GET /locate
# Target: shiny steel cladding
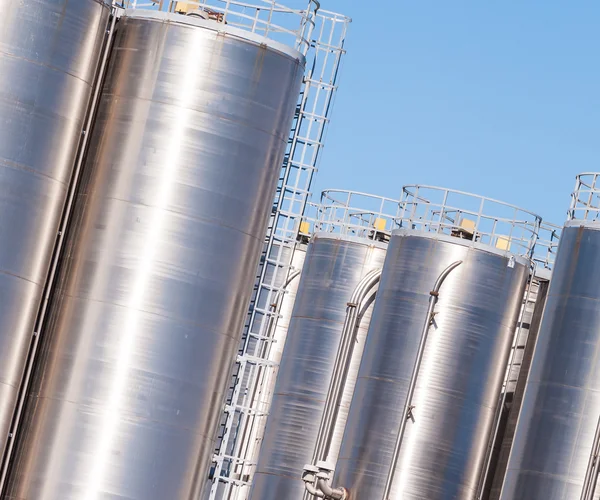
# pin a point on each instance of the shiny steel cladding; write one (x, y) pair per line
(554, 454)
(333, 268)
(444, 448)
(160, 262)
(49, 53)
(527, 332)
(561, 405)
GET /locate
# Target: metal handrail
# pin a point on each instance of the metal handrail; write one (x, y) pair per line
(353, 213)
(585, 199)
(268, 18)
(477, 218)
(546, 246)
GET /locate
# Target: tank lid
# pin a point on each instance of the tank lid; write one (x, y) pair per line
(475, 219)
(284, 28)
(477, 245)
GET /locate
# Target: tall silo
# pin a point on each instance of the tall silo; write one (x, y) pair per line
(50, 53)
(160, 261)
(528, 327)
(554, 438)
(349, 243)
(437, 348)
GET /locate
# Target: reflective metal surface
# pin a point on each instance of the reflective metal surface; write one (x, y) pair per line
(333, 267)
(445, 448)
(528, 326)
(49, 52)
(159, 264)
(557, 422)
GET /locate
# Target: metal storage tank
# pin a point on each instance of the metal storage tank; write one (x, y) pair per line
(160, 261)
(350, 242)
(532, 309)
(50, 52)
(469, 255)
(555, 434)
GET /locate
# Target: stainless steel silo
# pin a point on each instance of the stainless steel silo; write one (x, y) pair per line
(350, 242)
(554, 437)
(50, 52)
(528, 327)
(160, 261)
(437, 348)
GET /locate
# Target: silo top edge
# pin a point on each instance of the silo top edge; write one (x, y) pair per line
(353, 239)
(174, 18)
(584, 223)
(484, 247)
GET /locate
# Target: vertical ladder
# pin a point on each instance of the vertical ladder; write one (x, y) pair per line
(247, 402)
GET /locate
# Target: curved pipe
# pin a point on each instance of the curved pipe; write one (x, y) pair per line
(340, 367)
(433, 298)
(335, 494)
(338, 381)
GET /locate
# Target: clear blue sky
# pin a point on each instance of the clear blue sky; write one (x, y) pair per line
(497, 98)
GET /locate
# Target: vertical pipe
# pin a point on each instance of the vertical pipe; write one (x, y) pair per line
(340, 368)
(433, 298)
(591, 473)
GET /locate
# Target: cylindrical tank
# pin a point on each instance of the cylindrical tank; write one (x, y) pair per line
(49, 54)
(444, 448)
(561, 404)
(534, 303)
(350, 241)
(160, 262)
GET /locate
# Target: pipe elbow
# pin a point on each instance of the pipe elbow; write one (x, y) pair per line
(313, 490)
(334, 493)
(309, 480)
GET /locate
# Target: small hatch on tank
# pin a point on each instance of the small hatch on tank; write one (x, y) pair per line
(191, 9)
(465, 229)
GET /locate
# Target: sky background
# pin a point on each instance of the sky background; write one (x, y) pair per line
(497, 98)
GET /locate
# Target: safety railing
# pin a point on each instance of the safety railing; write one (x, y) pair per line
(471, 217)
(290, 24)
(546, 247)
(585, 199)
(351, 213)
(237, 450)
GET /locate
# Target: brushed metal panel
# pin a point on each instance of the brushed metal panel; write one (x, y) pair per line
(159, 265)
(49, 52)
(561, 405)
(464, 364)
(332, 269)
